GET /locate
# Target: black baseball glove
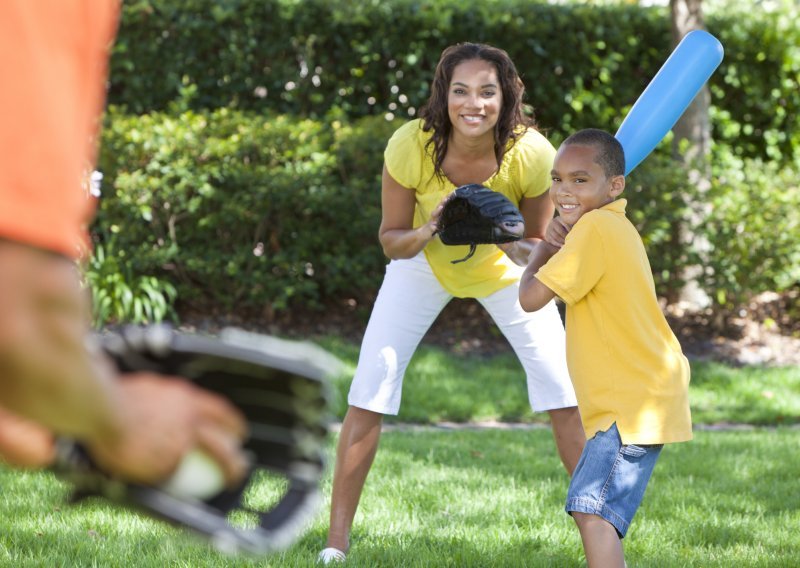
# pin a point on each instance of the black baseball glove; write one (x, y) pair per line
(280, 387)
(475, 215)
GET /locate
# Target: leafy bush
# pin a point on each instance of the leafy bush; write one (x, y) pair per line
(757, 92)
(658, 193)
(252, 214)
(753, 229)
(245, 213)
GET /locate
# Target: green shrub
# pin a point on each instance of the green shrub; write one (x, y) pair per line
(255, 215)
(121, 296)
(757, 91)
(245, 213)
(658, 192)
(753, 230)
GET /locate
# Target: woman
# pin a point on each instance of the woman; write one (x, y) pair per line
(471, 130)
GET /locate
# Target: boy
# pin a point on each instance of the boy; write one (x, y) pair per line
(630, 376)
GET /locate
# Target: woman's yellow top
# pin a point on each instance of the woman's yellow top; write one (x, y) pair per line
(524, 172)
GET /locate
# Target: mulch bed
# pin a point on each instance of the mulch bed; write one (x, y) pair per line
(766, 332)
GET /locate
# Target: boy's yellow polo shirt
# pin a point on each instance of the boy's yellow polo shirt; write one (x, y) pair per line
(625, 362)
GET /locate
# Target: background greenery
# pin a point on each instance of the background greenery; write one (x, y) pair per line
(583, 63)
(242, 156)
(243, 148)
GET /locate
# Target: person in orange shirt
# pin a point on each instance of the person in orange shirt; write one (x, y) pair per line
(54, 59)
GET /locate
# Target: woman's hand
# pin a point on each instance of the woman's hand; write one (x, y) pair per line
(537, 212)
(432, 226)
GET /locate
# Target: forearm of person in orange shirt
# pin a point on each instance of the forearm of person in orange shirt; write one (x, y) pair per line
(46, 371)
(51, 381)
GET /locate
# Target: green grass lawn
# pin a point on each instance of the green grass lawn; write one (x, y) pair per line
(466, 498)
(485, 498)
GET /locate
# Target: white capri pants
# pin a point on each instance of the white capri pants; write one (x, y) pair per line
(409, 301)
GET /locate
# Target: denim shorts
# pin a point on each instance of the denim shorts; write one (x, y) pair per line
(610, 479)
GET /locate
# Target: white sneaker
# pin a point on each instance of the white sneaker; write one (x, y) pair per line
(331, 555)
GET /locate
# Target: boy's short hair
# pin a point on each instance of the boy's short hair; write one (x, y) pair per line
(610, 154)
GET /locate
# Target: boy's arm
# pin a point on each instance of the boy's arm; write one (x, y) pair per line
(533, 295)
(537, 212)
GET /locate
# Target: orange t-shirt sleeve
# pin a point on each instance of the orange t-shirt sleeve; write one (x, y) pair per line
(53, 66)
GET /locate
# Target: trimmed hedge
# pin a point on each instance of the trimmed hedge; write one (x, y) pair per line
(245, 213)
(584, 65)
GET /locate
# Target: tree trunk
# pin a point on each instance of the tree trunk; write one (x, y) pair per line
(691, 147)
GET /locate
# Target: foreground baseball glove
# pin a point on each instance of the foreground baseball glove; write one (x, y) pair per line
(475, 215)
(280, 387)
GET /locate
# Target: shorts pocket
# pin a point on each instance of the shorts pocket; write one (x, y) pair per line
(635, 451)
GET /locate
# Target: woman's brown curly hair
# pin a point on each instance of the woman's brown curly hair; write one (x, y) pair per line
(434, 113)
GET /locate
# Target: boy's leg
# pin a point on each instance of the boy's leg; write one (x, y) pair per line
(601, 543)
(605, 492)
(539, 342)
(408, 302)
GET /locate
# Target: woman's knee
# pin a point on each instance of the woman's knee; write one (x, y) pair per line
(564, 416)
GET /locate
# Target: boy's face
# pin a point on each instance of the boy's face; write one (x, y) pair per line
(579, 183)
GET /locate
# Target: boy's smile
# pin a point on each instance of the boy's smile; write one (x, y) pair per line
(580, 184)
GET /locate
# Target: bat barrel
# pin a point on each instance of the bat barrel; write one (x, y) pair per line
(668, 95)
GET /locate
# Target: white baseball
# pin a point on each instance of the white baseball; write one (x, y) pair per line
(198, 476)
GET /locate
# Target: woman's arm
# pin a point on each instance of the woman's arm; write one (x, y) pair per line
(397, 237)
(537, 212)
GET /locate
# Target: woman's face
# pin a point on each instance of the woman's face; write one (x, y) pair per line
(474, 99)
